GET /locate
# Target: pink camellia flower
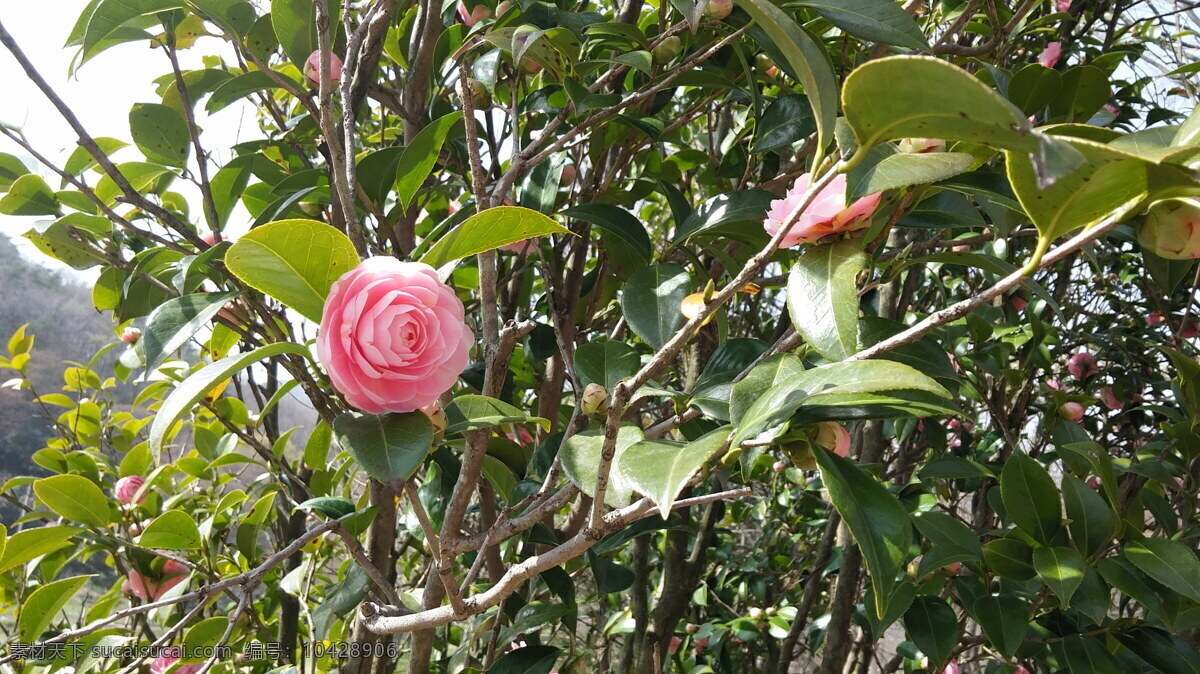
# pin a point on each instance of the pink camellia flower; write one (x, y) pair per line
(392, 336)
(519, 435)
(131, 335)
(150, 589)
(312, 69)
(1018, 303)
(127, 489)
(569, 174)
(827, 214)
(1093, 482)
(1062, 5)
(1110, 399)
(477, 14)
(1050, 55)
(1071, 411)
(952, 668)
(1020, 670)
(1190, 329)
(1172, 229)
(1082, 365)
(1112, 109)
(163, 663)
(437, 417)
(834, 437)
(779, 466)
(718, 9)
(1154, 318)
(922, 145)
(673, 647)
(210, 237)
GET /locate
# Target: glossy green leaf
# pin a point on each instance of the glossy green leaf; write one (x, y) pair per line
(876, 519)
(787, 121)
(1004, 619)
(75, 497)
(1124, 576)
(1061, 569)
(189, 392)
(110, 15)
(29, 195)
(390, 447)
(241, 86)
(420, 155)
(932, 625)
(526, 660)
(1083, 91)
(532, 616)
(1089, 654)
(946, 530)
(581, 462)
(29, 544)
(617, 222)
(766, 375)
(203, 635)
(1091, 520)
(726, 213)
(294, 261)
(1031, 497)
(651, 301)
(489, 230)
(176, 321)
(905, 169)
(235, 16)
(1033, 87)
(661, 469)
(295, 23)
(1163, 651)
(1009, 558)
(332, 507)
(1171, 563)
(160, 132)
(807, 58)
(777, 404)
(472, 412)
(822, 297)
(11, 168)
(605, 363)
(172, 530)
(43, 605)
(872, 20)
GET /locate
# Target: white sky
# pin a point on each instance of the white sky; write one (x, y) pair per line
(100, 93)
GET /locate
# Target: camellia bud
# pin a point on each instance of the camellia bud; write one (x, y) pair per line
(127, 489)
(667, 50)
(952, 668)
(1172, 229)
(1190, 329)
(1082, 365)
(131, 335)
(1018, 303)
(569, 174)
(756, 613)
(922, 145)
(834, 437)
(674, 645)
(1093, 482)
(1154, 318)
(779, 466)
(1071, 411)
(701, 644)
(437, 416)
(718, 9)
(475, 15)
(1111, 401)
(951, 569)
(595, 399)
(312, 68)
(691, 628)
(1021, 668)
(503, 7)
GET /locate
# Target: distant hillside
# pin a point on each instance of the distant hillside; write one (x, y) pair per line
(59, 312)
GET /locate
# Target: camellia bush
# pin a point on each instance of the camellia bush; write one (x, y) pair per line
(754, 336)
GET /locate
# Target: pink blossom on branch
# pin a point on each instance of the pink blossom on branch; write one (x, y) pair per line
(127, 488)
(312, 72)
(1050, 55)
(826, 214)
(1082, 365)
(474, 15)
(392, 336)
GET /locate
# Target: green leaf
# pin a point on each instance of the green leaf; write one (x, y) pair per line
(532, 616)
(1033, 87)
(618, 222)
(203, 635)
(69, 239)
(723, 213)
(764, 376)
(872, 20)
(32, 543)
(1169, 562)
(172, 530)
(1030, 497)
(1089, 654)
(420, 155)
(473, 412)
(110, 15)
(316, 450)
(944, 530)
(807, 59)
(330, 506)
(1091, 520)
(189, 392)
(1061, 569)
(1164, 652)
(777, 404)
(294, 261)
(924, 97)
(822, 297)
(526, 660)
(136, 461)
(295, 23)
(11, 168)
(74, 497)
(605, 363)
(175, 321)
(29, 195)
(489, 230)
(1009, 558)
(651, 301)
(1004, 619)
(43, 605)
(932, 625)
(581, 462)
(1083, 91)
(877, 521)
(235, 16)
(785, 122)
(160, 132)
(390, 447)
(661, 469)
(904, 169)
(237, 88)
